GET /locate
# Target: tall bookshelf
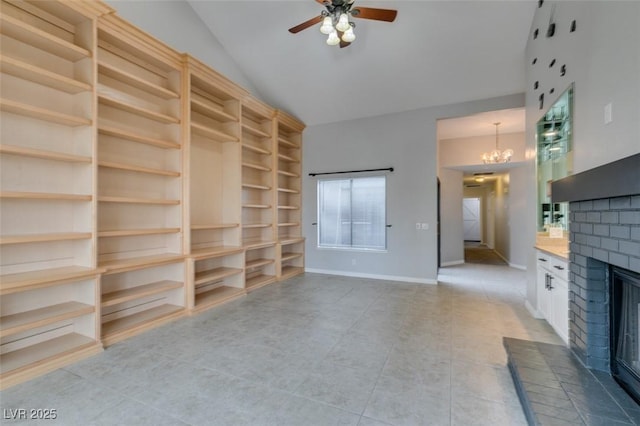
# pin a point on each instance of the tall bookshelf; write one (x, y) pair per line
(289, 196)
(258, 193)
(140, 197)
(213, 153)
(48, 276)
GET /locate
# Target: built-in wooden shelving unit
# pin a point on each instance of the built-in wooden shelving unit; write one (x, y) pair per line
(213, 153)
(48, 275)
(139, 163)
(137, 185)
(289, 189)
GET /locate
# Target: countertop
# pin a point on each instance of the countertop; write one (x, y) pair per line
(554, 250)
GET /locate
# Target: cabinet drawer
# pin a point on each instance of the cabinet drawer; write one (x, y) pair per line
(543, 259)
(559, 267)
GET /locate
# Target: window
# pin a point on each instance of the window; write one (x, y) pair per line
(352, 213)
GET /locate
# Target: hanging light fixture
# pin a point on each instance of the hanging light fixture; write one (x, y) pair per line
(497, 156)
(337, 26)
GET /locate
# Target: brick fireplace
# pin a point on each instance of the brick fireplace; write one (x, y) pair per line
(604, 205)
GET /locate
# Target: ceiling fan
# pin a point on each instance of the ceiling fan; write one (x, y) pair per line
(336, 23)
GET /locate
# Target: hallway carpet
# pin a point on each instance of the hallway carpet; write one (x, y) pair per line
(481, 254)
(313, 350)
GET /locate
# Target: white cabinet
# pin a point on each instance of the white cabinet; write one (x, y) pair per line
(553, 292)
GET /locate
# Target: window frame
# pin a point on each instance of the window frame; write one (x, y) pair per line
(352, 248)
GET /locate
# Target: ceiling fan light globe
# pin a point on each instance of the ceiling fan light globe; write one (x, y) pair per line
(348, 36)
(343, 23)
(327, 25)
(506, 155)
(333, 39)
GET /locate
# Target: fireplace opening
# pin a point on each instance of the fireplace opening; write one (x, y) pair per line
(625, 330)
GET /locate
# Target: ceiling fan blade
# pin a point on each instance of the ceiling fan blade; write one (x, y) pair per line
(305, 25)
(387, 15)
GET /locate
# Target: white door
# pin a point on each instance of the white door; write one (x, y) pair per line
(471, 219)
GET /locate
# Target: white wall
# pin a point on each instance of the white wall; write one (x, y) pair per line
(451, 229)
(408, 142)
(176, 24)
(518, 214)
(501, 217)
(602, 58)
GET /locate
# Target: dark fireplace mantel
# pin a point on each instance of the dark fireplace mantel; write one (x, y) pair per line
(617, 179)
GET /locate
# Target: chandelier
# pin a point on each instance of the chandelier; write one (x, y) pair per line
(497, 156)
(337, 21)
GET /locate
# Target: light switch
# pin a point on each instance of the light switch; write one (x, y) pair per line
(608, 113)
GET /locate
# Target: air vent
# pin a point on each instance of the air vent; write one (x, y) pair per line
(483, 174)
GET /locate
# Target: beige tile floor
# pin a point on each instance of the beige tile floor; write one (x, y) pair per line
(314, 350)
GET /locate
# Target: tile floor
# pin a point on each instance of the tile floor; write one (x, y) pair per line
(314, 350)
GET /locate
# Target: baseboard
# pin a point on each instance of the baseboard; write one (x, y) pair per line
(533, 311)
(372, 276)
(516, 266)
(452, 263)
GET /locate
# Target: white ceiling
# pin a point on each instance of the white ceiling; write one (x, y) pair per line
(511, 121)
(435, 53)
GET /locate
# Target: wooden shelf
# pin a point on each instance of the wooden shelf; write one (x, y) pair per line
(137, 232)
(289, 256)
(44, 238)
(254, 186)
(290, 271)
(257, 263)
(255, 131)
(257, 149)
(256, 225)
(212, 133)
(23, 321)
(105, 99)
(289, 190)
(42, 154)
(288, 173)
(288, 208)
(256, 206)
(217, 251)
(13, 283)
(42, 40)
(139, 169)
(44, 196)
(291, 240)
(135, 137)
(136, 200)
(256, 166)
(288, 158)
(286, 142)
(121, 296)
(135, 81)
(214, 226)
(217, 296)
(43, 114)
(41, 76)
(20, 360)
(121, 328)
(205, 107)
(258, 281)
(289, 224)
(216, 274)
(133, 263)
(257, 244)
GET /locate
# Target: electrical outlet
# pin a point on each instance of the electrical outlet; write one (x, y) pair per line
(608, 113)
(418, 225)
(424, 226)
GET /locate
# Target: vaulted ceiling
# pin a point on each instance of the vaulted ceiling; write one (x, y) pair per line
(435, 53)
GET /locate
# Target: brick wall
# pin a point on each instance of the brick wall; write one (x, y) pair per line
(602, 232)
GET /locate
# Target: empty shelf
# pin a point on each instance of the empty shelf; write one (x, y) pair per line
(11, 283)
(43, 238)
(215, 274)
(259, 281)
(107, 130)
(121, 296)
(43, 114)
(135, 81)
(23, 321)
(257, 263)
(211, 133)
(123, 105)
(41, 76)
(43, 154)
(44, 196)
(140, 320)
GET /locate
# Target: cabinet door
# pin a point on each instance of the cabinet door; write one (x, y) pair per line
(544, 295)
(560, 310)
